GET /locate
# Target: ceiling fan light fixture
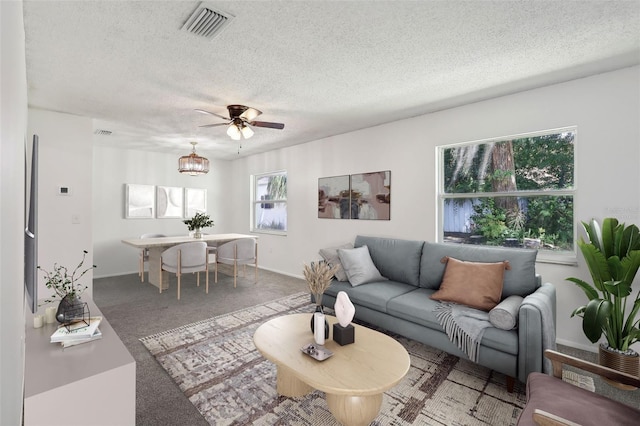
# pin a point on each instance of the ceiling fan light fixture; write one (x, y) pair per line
(234, 132)
(247, 132)
(193, 164)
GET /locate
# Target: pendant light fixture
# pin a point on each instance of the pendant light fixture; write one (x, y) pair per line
(193, 164)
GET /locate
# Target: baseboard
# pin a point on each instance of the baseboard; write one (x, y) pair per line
(588, 348)
(282, 273)
(119, 274)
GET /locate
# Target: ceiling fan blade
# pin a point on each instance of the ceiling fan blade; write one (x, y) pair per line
(250, 113)
(214, 125)
(267, 124)
(211, 113)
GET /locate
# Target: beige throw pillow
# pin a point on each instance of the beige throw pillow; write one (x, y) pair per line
(330, 255)
(475, 284)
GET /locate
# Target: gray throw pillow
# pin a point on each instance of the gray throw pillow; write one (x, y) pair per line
(358, 266)
(330, 255)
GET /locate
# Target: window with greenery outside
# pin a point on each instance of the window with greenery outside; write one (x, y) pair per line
(515, 191)
(270, 202)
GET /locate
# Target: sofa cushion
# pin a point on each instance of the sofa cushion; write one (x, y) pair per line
(358, 266)
(330, 255)
(519, 280)
(475, 284)
(373, 295)
(418, 307)
(396, 259)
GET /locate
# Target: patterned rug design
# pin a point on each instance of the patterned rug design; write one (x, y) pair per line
(216, 365)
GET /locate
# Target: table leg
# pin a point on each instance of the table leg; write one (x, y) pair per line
(289, 385)
(354, 410)
(154, 268)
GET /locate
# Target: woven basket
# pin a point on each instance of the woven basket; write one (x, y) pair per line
(629, 364)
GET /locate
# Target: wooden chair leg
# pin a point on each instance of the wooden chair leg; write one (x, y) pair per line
(198, 279)
(178, 287)
(160, 284)
(216, 272)
(207, 279)
(141, 268)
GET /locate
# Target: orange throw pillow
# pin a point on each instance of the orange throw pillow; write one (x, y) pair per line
(475, 284)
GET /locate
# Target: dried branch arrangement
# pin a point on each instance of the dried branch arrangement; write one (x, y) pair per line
(318, 276)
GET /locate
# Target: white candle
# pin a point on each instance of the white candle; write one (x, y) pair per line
(50, 314)
(38, 321)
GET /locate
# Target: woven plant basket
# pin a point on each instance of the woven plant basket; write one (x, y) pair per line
(629, 364)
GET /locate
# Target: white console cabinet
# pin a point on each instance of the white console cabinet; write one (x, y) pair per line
(92, 383)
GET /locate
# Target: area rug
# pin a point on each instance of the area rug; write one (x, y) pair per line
(216, 365)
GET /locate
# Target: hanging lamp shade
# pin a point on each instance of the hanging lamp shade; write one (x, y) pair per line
(193, 164)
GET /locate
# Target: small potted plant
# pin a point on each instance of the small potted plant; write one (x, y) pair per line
(197, 222)
(612, 255)
(65, 286)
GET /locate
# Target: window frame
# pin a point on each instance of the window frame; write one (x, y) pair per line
(564, 257)
(254, 201)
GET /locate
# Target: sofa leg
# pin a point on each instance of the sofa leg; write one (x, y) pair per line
(510, 384)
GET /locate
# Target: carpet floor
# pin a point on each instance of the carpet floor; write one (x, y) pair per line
(216, 365)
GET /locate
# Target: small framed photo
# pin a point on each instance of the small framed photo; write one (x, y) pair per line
(169, 202)
(139, 202)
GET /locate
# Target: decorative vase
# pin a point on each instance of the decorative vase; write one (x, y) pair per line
(66, 305)
(197, 233)
(624, 362)
(326, 323)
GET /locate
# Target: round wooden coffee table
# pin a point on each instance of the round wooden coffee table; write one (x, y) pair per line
(353, 379)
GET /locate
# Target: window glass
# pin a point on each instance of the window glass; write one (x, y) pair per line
(515, 192)
(269, 210)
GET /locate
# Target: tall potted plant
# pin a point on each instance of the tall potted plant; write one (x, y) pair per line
(612, 255)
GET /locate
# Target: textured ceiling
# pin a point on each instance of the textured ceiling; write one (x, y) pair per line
(321, 67)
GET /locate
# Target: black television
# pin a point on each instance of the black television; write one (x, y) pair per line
(31, 227)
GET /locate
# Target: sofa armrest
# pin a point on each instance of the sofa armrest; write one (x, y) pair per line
(536, 330)
(542, 418)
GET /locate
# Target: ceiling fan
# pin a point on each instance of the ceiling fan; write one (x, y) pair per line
(239, 121)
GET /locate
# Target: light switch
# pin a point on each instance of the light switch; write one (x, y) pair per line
(75, 219)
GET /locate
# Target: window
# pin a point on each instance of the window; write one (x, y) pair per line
(269, 216)
(516, 191)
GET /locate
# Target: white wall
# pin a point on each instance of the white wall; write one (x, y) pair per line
(112, 169)
(65, 160)
(13, 125)
(604, 107)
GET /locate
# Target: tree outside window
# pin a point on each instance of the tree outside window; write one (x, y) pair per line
(269, 212)
(516, 191)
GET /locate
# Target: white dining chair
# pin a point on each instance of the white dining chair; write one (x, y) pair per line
(238, 252)
(186, 257)
(144, 255)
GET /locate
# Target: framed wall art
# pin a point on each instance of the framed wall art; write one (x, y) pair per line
(333, 197)
(371, 196)
(169, 202)
(195, 201)
(139, 201)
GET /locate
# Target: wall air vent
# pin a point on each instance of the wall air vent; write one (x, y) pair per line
(206, 22)
(102, 132)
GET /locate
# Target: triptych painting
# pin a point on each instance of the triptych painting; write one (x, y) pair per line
(163, 202)
(365, 196)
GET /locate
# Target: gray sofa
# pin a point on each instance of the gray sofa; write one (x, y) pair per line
(402, 305)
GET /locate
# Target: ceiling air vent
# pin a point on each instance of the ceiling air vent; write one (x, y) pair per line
(206, 22)
(102, 132)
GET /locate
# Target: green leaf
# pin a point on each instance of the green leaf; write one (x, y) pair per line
(618, 288)
(595, 318)
(578, 311)
(596, 262)
(608, 236)
(586, 287)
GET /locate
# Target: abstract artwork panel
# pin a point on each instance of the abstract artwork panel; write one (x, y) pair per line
(139, 201)
(195, 201)
(371, 196)
(169, 202)
(333, 197)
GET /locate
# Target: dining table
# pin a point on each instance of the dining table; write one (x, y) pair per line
(157, 245)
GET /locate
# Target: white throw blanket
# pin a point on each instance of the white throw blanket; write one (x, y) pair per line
(465, 326)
